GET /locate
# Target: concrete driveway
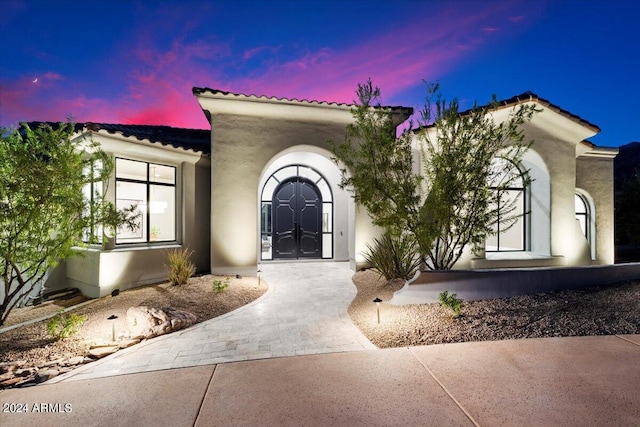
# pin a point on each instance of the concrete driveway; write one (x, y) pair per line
(576, 381)
(303, 312)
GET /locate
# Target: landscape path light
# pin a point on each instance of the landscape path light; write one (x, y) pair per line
(113, 326)
(378, 301)
(259, 271)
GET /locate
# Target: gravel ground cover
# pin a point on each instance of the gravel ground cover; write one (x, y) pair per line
(33, 347)
(603, 310)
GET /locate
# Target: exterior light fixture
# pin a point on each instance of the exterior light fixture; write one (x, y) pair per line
(259, 271)
(378, 301)
(113, 326)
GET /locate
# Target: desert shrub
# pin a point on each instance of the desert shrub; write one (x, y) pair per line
(393, 256)
(451, 302)
(63, 325)
(219, 285)
(180, 268)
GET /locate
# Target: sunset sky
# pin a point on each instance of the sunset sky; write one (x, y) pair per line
(125, 61)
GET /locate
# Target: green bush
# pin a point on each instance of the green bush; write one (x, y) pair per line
(219, 285)
(452, 302)
(394, 256)
(180, 267)
(64, 325)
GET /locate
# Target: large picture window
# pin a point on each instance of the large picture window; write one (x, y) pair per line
(152, 189)
(508, 187)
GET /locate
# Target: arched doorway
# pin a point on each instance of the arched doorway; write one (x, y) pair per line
(296, 215)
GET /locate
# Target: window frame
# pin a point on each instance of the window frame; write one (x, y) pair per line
(524, 194)
(148, 183)
(586, 214)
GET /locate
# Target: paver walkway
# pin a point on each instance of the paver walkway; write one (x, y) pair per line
(303, 312)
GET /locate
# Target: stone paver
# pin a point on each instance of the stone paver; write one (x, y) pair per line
(303, 312)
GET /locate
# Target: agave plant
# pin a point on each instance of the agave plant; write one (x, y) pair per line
(394, 256)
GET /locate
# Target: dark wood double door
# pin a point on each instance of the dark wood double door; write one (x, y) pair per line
(297, 220)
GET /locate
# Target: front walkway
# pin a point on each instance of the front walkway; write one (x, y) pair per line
(303, 312)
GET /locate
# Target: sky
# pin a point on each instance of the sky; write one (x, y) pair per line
(136, 62)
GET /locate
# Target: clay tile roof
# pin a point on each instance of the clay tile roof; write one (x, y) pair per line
(530, 96)
(189, 139)
(201, 90)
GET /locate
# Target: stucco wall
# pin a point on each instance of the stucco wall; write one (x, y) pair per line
(559, 157)
(594, 175)
(242, 148)
(553, 233)
(105, 268)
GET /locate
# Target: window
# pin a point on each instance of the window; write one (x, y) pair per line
(92, 193)
(151, 188)
(508, 187)
(582, 215)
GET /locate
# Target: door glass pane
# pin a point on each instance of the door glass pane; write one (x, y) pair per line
(327, 246)
(327, 220)
(324, 190)
(285, 173)
(309, 174)
(269, 188)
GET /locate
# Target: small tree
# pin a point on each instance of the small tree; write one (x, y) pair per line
(470, 162)
(43, 212)
(451, 205)
(378, 167)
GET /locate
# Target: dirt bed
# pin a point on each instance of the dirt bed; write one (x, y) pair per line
(33, 345)
(604, 310)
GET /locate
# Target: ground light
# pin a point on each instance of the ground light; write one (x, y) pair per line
(259, 271)
(113, 326)
(378, 301)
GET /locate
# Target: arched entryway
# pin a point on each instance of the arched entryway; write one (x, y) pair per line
(296, 215)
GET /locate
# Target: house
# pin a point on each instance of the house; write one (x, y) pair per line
(260, 186)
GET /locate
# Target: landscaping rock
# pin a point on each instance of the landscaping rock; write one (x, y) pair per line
(6, 376)
(100, 352)
(57, 361)
(76, 360)
(25, 372)
(11, 366)
(11, 382)
(128, 342)
(46, 374)
(148, 322)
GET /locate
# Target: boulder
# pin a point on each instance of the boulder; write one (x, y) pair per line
(128, 342)
(76, 360)
(148, 322)
(100, 352)
(46, 374)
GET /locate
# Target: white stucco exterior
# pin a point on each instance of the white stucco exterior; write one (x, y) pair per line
(219, 195)
(560, 164)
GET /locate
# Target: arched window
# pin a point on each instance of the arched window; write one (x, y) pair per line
(582, 215)
(509, 202)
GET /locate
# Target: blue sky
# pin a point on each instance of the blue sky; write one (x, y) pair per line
(136, 61)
